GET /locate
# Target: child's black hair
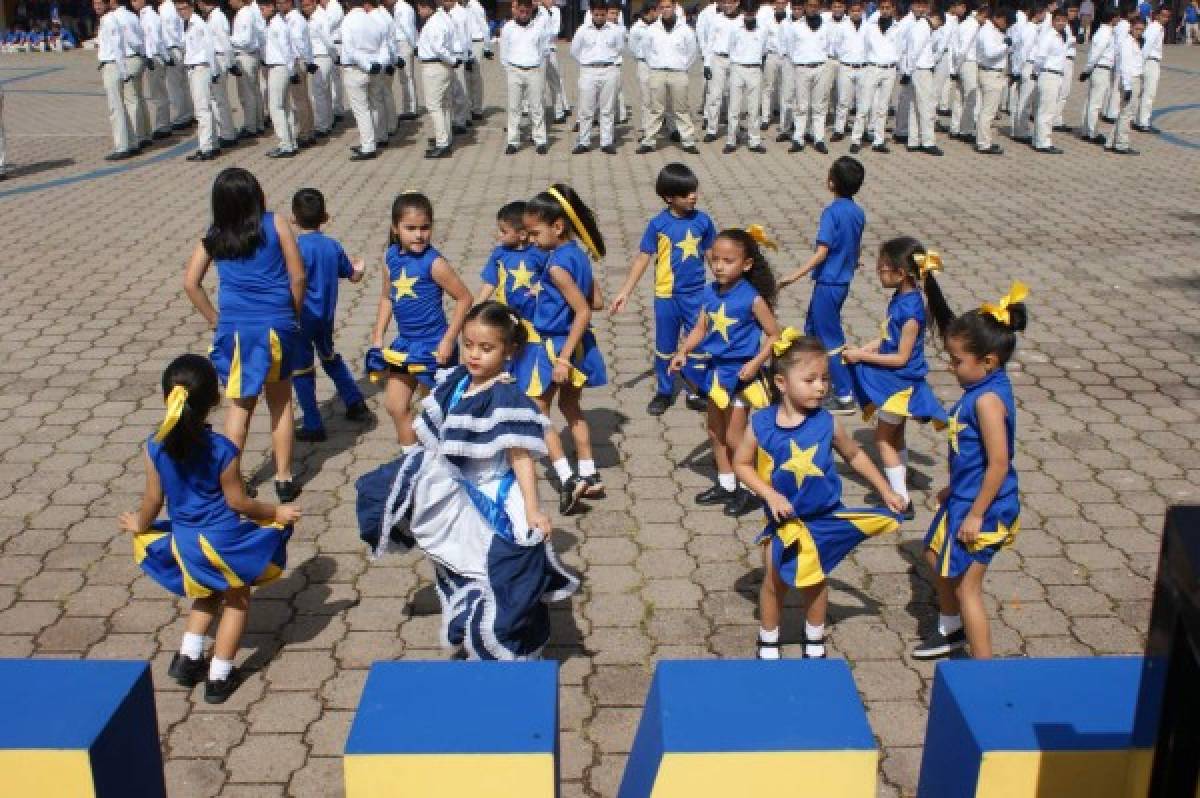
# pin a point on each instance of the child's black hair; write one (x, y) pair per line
(759, 275)
(188, 438)
(238, 206)
(675, 180)
(308, 208)
(501, 317)
(512, 214)
(408, 201)
(901, 253)
(982, 334)
(846, 175)
(548, 209)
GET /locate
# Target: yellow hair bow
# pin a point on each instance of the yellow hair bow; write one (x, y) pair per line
(576, 223)
(175, 402)
(759, 234)
(999, 311)
(787, 337)
(927, 262)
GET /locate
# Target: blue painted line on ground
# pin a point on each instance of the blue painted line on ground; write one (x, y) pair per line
(57, 92)
(1180, 70)
(1171, 138)
(32, 73)
(95, 174)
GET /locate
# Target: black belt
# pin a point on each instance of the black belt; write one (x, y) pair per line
(196, 66)
(1054, 72)
(885, 66)
(812, 64)
(525, 68)
(1101, 67)
(601, 65)
(477, 40)
(723, 55)
(852, 66)
(924, 69)
(667, 69)
(992, 69)
(431, 60)
(1152, 58)
(749, 66)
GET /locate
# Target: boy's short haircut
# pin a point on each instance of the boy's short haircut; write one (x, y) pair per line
(846, 175)
(1059, 12)
(308, 208)
(524, 2)
(427, 3)
(513, 214)
(676, 180)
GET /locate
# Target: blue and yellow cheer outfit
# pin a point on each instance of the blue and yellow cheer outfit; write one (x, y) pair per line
(798, 462)
(968, 463)
(733, 339)
(257, 336)
(206, 547)
(325, 262)
(514, 271)
(676, 246)
(840, 230)
(552, 319)
(420, 317)
(899, 391)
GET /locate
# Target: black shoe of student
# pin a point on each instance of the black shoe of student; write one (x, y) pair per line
(675, 137)
(690, 149)
(358, 412)
(187, 672)
(159, 135)
(286, 490)
(608, 149)
(898, 139)
(438, 152)
(913, 149)
(782, 137)
(593, 486)
(279, 152)
(1063, 129)
(364, 156)
(1023, 139)
(542, 149)
(933, 150)
(1126, 151)
(218, 691)
(1152, 130)
(758, 149)
(311, 435)
(854, 148)
(943, 112)
(881, 148)
(511, 149)
(821, 148)
(579, 149)
(321, 135)
(729, 149)
(696, 403)
(306, 142)
(797, 146)
(837, 136)
(144, 143)
(228, 143)
(468, 124)
(643, 149)
(120, 155)
(181, 126)
(1048, 150)
(763, 125)
(742, 502)
(569, 495)
(939, 127)
(660, 404)
(938, 645)
(710, 137)
(201, 155)
(995, 149)
(458, 130)
(476, 115)
(713, 496)
(406, 117)
(1112, 120)
(809, 138)
(381, 144)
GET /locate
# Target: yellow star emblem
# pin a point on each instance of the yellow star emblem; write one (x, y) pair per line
(404, 285)
(952, 430)
(721, 323)
(522, 276)
(801, 462)
(689, 246)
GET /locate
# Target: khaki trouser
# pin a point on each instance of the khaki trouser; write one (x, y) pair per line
(525, 89)
(135, 103)
(964, 99)
(556, 94)
(597, 91)
(177, 89)
(745, 93)
(669, 89)
(222, 110)
(922, 111)
(1021, 125)
(811, 100)
(336, 89)
(1098, 85)
(279, 103)
(320, 86)
(941, 81)
(1192, 33)
(880, 81)
(301, 104)
(357, 86)
(436, 78)
(383, 105)
(991, 88)
(1149, 89)
(200, 84)
(1064, 91)
(643, 81)
(773, 95)
(475, 78)
(460, 100)
(3, 142)
(1120, 136)
(904, 99)
(715, 92)
(1112, 98)
(1048, 87)
(248, 94)
(404, 79)
(118, 116)
(852, 91)
(155, 92)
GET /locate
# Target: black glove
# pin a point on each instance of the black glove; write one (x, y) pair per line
(469, 66)
(1033, 76)
(954, 77)
(905, 80)
(216, 78)
(1014, 80)
(294, 80)
(400, 63)
(310, 69)
(1083, 76)
(1079, 38)
(457, 63)
(389, 70)
(170, 62)
(235, 70)
(375, 69)
(1008, 41)
(1126, 96)
(150, 64)
(488, 54)
(707, 73)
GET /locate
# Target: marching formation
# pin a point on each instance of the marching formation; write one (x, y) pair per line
(486, 371)
(820, 70)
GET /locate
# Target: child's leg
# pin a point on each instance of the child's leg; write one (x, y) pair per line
(718, 429)
(199, 620)
(229, 632)
(279, 402)
(569, 403)
(770, 606)
(816, 603)
(969, 592)
(237, 420)
(343, 381)
(667, 324)
(306, 396)
(397, 400)
(889, 437)
(735, 429)
(554, 447)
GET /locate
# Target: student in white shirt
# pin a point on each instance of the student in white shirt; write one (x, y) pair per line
(720, 29)
(155, 75)
(991, 53)
(1049, 70)
(1097, 73)
(246, 40)
(180, 96)
(1113, 95)
(523, 56)
(917, 61)
(110, 50)
(1152, 53)
(620, 109)
(480, 50)
(1130, 72)
(460, 91)
(1075, 37)
(550, 16)
(955, 12)
(437, 50)
(383, 98)
(964, 74)
(320, 83)
(1025, 39)
(853, 78)
(747, 52)
(806, 42)
(635, 43)
(305, 65)
(218, 31)
(777, 88)
(406, 46)
(883, 52)
(279, 60)
(135, 66)
(671, 49)
(362, 42)
(595, 48)
(200, 61)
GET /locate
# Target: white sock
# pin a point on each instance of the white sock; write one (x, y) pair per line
(727, 482)
(768, 636)
(949, 624)
(562, 467)
(192, 646)
(219, 669)
(814, 633)
(587, 468)
(896, 478)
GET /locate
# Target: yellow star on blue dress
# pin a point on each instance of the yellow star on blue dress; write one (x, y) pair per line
(721, 323)
(952, 430)
(404, 285)
(689, 246)
(801, 462)
(522, 276)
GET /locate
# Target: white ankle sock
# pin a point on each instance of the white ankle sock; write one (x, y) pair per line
(727, 481)
(192, 646)
(587, 468)
(219, 669)
(949, 624)
(562, 467)
(768, 636)
(814, 633)
(896, 477)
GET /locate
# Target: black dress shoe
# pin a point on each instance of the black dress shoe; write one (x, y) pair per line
(782, 137)
(1152, 130)
(358, 412)
(320, 135)
(286, 490)
(408, 117)
(608, 149)
(690, 149)
(710, 137)
(933, 150)
(995, 149)
(837, 136)
(144, 143)
(913, 149)
(809, 138)
(365, 156)
(119, 155)
(854, 148)
(187, 672)
(218, 691)
(660, 404)
(458, 130)
(714, 495)
(743, 501)
(1048, 150)
(228, 143)
(1126, 151)
(511, 149)
(201, 155)
(381, 145)
(1112, 120)
(696, 402)
(580, 149)
(881, 148)
(821, 148)
(181, 126)
(542, 149)
(1023, 139)
(438, 152)
(763, 125)
(159, 135)
(305, 142)
(643, 149)
(281, 153)
(675, 137)
(797, 146)
(311, 435)
(1063, 129)
(757, 148)
(476, 115)
(728, 148)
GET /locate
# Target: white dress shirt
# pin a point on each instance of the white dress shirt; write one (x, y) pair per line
(720, 31)
(246, 36)
(747, 47)
(152, 33)
(362, 40)
(110, 43)
(852, 43)
(301, 38)
(918, 45)
(1130, 63)
(883, 49)
(551, 22)
(334, 13)
(479, 20)
(131, 32)
(963, 43)
(991, 51)
(803, 44)
(437, 40)
(277, 48)
(198, 45)
(1152, 50)
(633, 41)
(704, 21)
(675, 49)
(172, 24)
(837, 29)
(592, 45)
(319, 33)
(460, 20)
(405, 20)
(1103, 51)
(772, 26)
(218, 29)
(522, 46)
(1024, 37)
(387, 29)
(1050, 52)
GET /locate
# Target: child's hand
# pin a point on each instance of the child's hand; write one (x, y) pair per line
(357, 269)
(781, 509)
(287, 514)
(970, 529)
(894, 501)
(943, 495)
(748, 372)
(128, 522)
(618, 303)
(443, 353)
(561, 372)
(541, 522)
(852, 356)
(678, 360)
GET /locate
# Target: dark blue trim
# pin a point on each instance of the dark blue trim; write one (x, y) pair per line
(1171, 138)
(177, 150)
(34, 72)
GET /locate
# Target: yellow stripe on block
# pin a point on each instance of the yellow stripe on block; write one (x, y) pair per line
(1050, 774)
(449, 775)
(39, 773)
(831, 774)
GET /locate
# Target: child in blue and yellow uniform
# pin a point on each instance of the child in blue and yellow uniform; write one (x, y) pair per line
(786, 457)
(567, 359)
(219, 542)
(415, 277)
(723, 356)
(832, 265)
(514, 266)
(678, 240)
(325, 262)
(889, 373)
(980, 508)
(256, 321)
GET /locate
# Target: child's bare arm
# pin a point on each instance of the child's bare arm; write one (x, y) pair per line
(636, 270)
(384, 314)
(857, 459)
(152, 502)
(234, 489)
(445, 276)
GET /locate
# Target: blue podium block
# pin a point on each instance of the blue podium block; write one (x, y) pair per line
(451, 729)
(1019, 728)
(745, 727)
(78, 729)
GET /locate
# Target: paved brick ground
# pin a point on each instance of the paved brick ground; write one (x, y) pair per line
(1106, 383)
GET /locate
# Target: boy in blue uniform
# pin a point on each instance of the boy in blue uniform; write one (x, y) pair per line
(838, 245)
(678, 240)
(325, 262)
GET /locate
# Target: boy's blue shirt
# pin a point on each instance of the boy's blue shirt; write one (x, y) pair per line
(324, 263)
(841, 230)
